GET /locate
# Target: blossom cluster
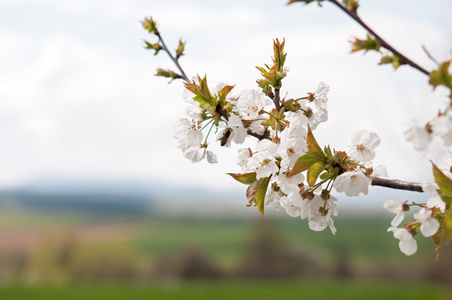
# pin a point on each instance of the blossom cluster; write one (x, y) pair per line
(285, 142)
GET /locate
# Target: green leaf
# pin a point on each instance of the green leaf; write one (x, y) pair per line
(246, 178)
(225, 91)
(313, 147)
(441, 76)
(447, 225)
(150, 25)
(390, 59)
(314, 172)
(444, 183)
(328, 151)
(180, 49)
(201, 100)
(366, 45)
(325, 175)
(303, 163)
(202, 90)
(256, 193)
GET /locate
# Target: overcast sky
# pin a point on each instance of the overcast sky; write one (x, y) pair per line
(78, 97)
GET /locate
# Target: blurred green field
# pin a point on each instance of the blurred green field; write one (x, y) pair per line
(262, 290)
(78, 256)
(364, 237)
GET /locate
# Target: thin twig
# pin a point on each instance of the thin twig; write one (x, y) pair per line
(402, 58)
(175, 60)
(397, 184)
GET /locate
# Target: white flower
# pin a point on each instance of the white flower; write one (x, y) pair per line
(194, 111)
(250, 103)
(244, 155)
(198, 153)
(321, 96)
(272, 198)
(288, 184)
(290, 151)
(257, 127)
(429, 225)
(442, 126)
(380, 171)
(394, 206)
(267, 145)
(318, 222)
(436, 201)
(187, 134)
(320, 213)
(363, 145)
(263, 163)
(407, 243)
(291, 209)
(418, 135)
(444, 162)
(238, 133)
(352, 183)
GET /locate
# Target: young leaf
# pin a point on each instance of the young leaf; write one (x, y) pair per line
(313, 147)
(447, 225)
(444, 183)
(180, 49)
(256, 193)
(325, 175)
(246, 178)
(302, 164)
(314, 172)
(366, 45)
(150, 25)
(441, 76)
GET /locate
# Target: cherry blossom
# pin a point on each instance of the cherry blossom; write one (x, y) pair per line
(352, 183)
(429, 225)
(321, 96)
(363, 145)
(418, 134)
(442, 127)
(407, 243)
(250, 103)
(394, 206)
(263, 163)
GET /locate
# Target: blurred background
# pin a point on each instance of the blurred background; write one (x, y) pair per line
(96, 200)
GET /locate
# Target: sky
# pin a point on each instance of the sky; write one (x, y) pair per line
(79, 99)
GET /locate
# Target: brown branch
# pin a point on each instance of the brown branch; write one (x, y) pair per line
(174, 59)
(276, 100)
(397, 184)
(402, 58)
(258, 136)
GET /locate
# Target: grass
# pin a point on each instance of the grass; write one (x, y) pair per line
(236, 290)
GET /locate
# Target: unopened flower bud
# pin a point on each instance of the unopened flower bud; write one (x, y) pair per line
(405, 206)
(150, 25)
